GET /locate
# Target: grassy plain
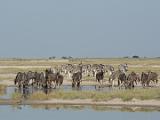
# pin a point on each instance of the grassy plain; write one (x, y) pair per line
(9, 67)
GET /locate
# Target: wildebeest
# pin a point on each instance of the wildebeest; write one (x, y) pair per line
(59, 79)
(100, 77)
(39, 79)
(77, 77)
(146, 78)
(122, 79)
(55, 78)
(131, 80)
(153, 76)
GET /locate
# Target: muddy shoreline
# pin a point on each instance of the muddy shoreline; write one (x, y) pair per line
(115, 102)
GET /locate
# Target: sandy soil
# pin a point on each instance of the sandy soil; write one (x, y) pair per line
(114, 102)
(25, 66)
(7, 82)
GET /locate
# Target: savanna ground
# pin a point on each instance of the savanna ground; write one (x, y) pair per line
(10, 67)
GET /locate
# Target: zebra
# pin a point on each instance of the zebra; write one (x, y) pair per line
(123, 68)
(109, 69)
(120, 74)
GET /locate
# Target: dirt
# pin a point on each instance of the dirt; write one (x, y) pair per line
(7, 82)
(114, 102)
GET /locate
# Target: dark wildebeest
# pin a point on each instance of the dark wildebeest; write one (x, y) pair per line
(100, 77)
(55, 78)
(153, 77)
(122, 79)
(77, 77)
(47, 82)
(144, 79)
(39, 79)
(131, 80)
(59, 79)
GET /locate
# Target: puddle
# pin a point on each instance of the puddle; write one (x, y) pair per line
(28, 91)
(13, 89)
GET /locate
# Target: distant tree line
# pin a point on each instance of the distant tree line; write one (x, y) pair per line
(134, 56)
(63, 57)
(53, 57)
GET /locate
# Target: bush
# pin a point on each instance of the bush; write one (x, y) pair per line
(135, 56)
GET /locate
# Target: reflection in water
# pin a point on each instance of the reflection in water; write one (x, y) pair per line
(58, 107)
(71, 113)
(30, 90)
(95, 108)
(25, 92)
(125, 109)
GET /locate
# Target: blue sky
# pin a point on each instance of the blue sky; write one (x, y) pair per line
(79, 28)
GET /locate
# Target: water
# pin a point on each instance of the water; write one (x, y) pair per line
(69, 113)
(28, 91)
(48, 112)
(12, 89)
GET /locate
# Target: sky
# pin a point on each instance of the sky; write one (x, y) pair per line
(79, 28)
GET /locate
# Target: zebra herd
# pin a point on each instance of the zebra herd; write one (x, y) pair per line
(38, 79)
(53, 77)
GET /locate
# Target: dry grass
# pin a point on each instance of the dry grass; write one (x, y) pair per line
(31, 62)
(16, 70)
(39, 96)
(7, 77)
(2, 89)
(16, 96)
(12, 66)
(125, 95)
(46, 62)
